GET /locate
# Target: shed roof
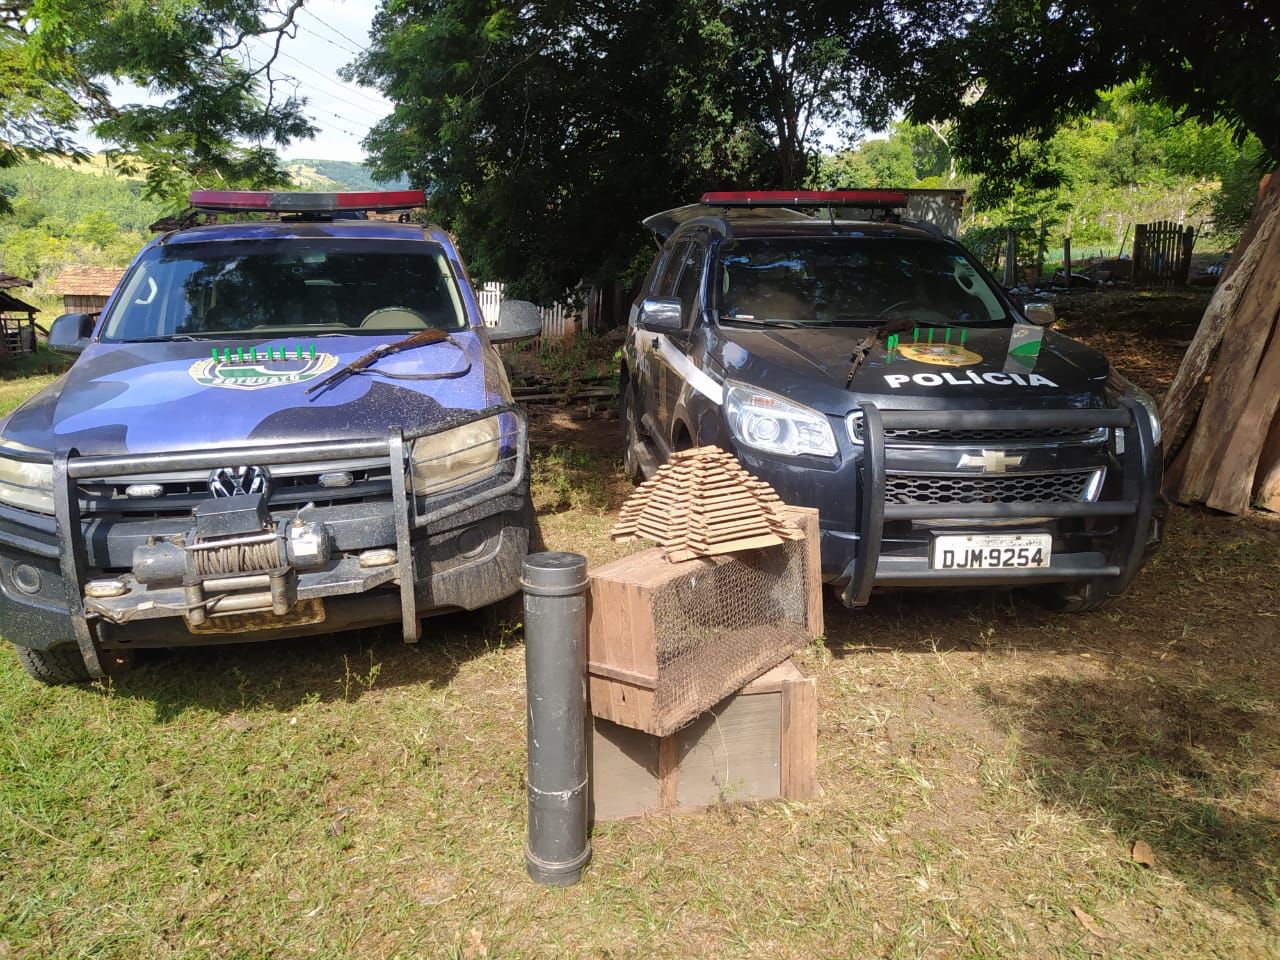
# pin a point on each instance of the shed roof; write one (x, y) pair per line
(10, 304)
(8, 281)
(87, 281)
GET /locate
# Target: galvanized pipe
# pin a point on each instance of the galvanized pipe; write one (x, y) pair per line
(555, 656)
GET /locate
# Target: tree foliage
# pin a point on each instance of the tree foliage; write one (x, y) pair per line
(216, 117)
(545, 132)
(64, 215)
(1022, 69)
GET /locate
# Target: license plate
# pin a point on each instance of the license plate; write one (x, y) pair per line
(302, 613)
(992, 551)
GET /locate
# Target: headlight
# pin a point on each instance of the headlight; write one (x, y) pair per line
(25, 485)
(454, 458)
(768, 422)
(1127, 389)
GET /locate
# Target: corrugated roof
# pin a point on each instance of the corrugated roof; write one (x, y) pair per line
(87, 281)
(8, 281)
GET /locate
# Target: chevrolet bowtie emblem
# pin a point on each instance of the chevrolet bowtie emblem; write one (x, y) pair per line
(991, 461)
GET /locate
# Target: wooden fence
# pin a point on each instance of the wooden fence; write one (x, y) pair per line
(1162, 253)
(558, 321)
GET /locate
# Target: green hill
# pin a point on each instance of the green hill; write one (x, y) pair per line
(337, 175)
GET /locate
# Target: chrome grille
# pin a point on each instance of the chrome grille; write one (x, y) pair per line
(913, 435)
(1066, 487)
(292, 485)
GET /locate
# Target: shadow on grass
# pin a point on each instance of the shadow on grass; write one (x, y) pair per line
(1169, 731)
(283, 674)
(1186, 764)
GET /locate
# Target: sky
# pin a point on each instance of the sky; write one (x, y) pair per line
(330, 34)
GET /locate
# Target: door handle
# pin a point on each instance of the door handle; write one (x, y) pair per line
(654, 342)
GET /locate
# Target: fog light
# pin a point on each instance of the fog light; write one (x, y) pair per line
(340, 478)
(27, 578)
(103, 589)
(471, 541)
(380, 557)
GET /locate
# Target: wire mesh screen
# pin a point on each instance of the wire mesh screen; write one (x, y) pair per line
(722, 626)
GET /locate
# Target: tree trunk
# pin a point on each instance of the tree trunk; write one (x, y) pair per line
(1234, 479)
(1245, 334)
(1179, 407)
(1267, 490)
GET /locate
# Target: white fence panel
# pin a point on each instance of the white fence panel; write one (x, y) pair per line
(558, 321)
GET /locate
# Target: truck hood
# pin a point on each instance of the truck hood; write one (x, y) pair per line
(139, 398)
(1020, 366)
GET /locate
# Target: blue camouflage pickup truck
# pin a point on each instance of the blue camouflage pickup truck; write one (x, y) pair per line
(275, 428)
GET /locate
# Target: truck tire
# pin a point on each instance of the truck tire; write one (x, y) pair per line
(1073, 597)
(54, 667)
(631, 436)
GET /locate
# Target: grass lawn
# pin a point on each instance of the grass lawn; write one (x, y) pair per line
(986, 769)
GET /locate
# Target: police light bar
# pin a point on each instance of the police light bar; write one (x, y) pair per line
(877, 199)
(246, 201)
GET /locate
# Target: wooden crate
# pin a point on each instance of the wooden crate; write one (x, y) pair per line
(643, 675)
(759, 744)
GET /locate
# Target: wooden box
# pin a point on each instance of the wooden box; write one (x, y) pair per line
(667, 641)
(760, 743)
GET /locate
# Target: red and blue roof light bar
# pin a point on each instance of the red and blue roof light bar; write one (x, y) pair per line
(863, 199)
(263, 201)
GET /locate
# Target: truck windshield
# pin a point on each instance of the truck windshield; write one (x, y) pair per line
(852, 280)
(285, 286)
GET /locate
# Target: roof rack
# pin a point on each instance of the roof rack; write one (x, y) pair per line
(865, 199)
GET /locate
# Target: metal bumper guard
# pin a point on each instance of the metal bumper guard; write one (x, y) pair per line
(1136, 506)
(69, 468)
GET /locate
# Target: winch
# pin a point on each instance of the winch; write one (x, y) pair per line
(235, 558)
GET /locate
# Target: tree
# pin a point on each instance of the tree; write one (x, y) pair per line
(219, 115)
(1023, 68)
(545, 132)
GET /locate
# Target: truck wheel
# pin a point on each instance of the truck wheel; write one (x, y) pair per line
(62, 665)
(1073, 597)
(631, 434)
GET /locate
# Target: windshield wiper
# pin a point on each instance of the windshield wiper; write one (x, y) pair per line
(162, 339)
(758, 322)
(359, 364)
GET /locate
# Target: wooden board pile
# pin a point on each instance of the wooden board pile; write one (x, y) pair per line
(1230, 457)
(702, 503)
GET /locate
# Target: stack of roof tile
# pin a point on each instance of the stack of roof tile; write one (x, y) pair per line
(701, 503)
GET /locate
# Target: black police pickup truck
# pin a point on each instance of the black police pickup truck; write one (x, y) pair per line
(873, 369)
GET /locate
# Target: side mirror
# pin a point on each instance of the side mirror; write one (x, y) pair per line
(517, 320)
(661, 314)
(1041, 314)
(70, 333)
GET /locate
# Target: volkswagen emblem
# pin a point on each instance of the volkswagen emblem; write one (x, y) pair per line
(236, 481)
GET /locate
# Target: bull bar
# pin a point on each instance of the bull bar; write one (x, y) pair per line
(69, 468)
(1136, 506)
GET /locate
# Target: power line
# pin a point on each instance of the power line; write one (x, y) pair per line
(361, 48)
(311, 86)
(339, 84)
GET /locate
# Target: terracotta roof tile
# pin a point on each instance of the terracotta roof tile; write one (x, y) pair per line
(87, 281)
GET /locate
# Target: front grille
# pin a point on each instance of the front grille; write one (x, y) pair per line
(913, 435)
(1066, 487)
(292, 485)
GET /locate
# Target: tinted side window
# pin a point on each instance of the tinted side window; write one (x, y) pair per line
(669, 272)
(690, 280)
